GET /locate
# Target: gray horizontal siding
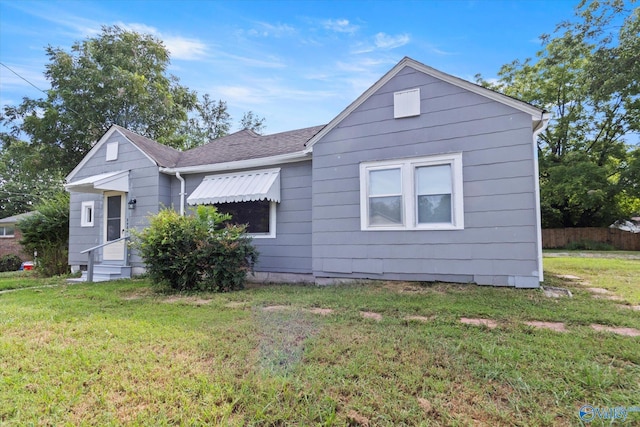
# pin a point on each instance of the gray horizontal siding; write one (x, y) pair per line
(498, 243)
(143, 186)
(290, 250)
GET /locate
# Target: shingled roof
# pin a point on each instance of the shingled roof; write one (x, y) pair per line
(245, 145)
(163, 155)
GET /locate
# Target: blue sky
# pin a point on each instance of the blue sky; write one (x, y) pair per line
(296, 63)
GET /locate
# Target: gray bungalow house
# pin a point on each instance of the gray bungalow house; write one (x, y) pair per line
(424, 177)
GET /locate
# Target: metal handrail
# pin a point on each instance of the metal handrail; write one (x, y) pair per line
(92, 250)
(105, 244)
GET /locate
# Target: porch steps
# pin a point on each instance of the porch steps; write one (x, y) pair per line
(106, 272)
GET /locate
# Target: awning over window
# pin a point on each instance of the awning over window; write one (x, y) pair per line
(238, 187)
(111, 181)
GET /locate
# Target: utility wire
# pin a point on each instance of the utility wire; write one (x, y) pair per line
(8, 68)
(45, 92)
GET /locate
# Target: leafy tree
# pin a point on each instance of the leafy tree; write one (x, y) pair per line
(26, 178)
(211, 121)
(252, 121)
(119, 77)
(587, 75)
(47, 233)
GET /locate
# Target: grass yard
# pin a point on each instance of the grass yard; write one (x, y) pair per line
(121, 354)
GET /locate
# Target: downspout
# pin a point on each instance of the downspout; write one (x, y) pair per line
(544, 122)
(182, 192)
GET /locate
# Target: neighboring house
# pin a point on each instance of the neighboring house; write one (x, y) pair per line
(10, 237)
(424, 177)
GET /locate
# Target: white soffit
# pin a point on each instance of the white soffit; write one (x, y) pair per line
(238, 187)
(110, 181)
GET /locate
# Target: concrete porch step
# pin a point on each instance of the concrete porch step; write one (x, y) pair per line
(106, 272)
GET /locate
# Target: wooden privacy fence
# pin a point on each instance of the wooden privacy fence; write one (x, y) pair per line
(560, 237)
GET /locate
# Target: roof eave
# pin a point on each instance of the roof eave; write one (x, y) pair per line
(297, 156)
(408, 62)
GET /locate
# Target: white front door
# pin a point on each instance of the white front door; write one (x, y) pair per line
(114, 225)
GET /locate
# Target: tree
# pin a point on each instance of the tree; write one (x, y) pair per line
(211, 121)
(587, 75)
(47, 233)
(26, 178)
(119, 77)
(253, 122)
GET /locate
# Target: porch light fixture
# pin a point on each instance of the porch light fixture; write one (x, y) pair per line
(132, 203)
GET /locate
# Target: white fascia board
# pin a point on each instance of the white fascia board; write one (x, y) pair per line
(535, 113)
(97, 146)
(298, 156)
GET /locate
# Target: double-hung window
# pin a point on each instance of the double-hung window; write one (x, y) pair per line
(416, 193)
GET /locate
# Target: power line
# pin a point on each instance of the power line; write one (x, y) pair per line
(45, 92)
(8, 68)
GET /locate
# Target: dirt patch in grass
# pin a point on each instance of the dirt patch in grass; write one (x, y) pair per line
(489, 323)
(629, 332)
(609, 297)
(629, 307)
(423, 319)
(371, 315)
(601, 291)
(554, 326)
(356, 419)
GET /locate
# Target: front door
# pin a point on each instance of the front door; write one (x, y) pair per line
(114, 225)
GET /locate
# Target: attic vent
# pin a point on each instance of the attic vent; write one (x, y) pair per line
(406, 103)
(112, 151)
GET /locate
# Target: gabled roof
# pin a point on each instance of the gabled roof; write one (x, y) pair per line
(161, 155)
(15, 218)
(246, 145)
(536, 113)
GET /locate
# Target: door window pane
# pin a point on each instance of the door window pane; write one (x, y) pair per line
(114, 213)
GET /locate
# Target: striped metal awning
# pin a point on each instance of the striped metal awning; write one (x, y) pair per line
(238, 187)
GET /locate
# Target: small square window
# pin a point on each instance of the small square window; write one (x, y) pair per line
(87, 214)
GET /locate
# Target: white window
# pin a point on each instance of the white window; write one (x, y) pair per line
(7, 231)
(87, 214)
(422, 193)
(112, 151)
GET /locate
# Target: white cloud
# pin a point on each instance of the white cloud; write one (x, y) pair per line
(265, 29)
(180, 47)
(387, 42)
(340, 26)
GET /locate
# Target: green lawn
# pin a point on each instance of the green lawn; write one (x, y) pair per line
(121, 354)
(620, 275)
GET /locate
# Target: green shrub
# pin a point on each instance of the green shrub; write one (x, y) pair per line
(589, 245)
(47, 233)
(10, 262)
(198, 252)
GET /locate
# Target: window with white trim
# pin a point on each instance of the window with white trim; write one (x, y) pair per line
(87, 214)
(423, 193)
(7, 231)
